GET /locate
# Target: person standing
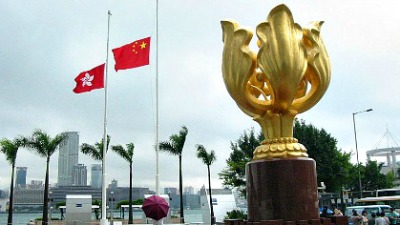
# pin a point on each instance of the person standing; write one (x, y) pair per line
(383, 214)
(364, 218)
(356, 218)
(379, 219)
(393, 215)
(337, 212)
(372, 220)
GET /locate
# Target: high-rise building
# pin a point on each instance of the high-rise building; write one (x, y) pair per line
(170, 190)
(80, 175)
(188, 190)
(95, 175)
(36, 184)
(20, 181)
(113, 185)
(67, 159)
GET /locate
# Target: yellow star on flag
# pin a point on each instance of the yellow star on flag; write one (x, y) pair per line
(143, 45)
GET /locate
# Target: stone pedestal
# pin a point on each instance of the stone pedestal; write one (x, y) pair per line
(282, 189)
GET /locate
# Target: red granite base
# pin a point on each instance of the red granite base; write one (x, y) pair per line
(337, 220)
(282, 190)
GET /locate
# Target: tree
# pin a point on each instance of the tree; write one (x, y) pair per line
(96, 150)
(175, 147)
(97, 153)
(208, 159)
(45, 146)
(373, 179)
(10, 148)
(127, 154)
(234, 175)
(390, 179)
(333, 165)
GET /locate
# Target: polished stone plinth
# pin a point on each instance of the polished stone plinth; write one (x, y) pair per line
(334, 220)
(282, 189)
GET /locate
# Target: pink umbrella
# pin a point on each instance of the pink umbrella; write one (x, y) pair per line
(155, 207)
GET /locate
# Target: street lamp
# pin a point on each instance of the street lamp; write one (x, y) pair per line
(355, 138)
(111, 200)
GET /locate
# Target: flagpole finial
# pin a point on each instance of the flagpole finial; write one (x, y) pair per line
(109, 13)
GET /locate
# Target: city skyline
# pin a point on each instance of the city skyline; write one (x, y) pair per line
(187, 190)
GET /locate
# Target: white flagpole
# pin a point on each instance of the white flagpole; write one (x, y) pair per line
(157, 124)
(103, 220)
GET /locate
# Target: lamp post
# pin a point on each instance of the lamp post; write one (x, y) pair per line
(111, 200)
(355, 138)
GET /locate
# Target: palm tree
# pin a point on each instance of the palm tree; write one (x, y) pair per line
(127, 154)
(96, 150)
(45, 146)
(208, 159)
(10, 148)
(175, 147)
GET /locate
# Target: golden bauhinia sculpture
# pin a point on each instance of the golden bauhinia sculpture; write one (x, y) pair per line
(289, 75)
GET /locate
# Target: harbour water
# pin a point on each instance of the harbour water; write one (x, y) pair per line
(23, 218)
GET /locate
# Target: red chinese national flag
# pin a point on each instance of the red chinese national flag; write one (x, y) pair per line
(90, 80)
(132, 55)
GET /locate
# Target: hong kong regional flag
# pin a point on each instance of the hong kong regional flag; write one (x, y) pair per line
(132, 55)
(90, 80)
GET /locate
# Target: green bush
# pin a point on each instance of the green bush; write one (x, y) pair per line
(236, 214)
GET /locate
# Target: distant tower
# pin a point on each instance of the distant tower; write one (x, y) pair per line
(171, 190)
(188, 190)
(96, 178)
(20, 181)
(80, 175)
(67, 159)
(114, 184)
(36, 184)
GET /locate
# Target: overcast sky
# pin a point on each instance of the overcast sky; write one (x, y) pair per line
(44, 45)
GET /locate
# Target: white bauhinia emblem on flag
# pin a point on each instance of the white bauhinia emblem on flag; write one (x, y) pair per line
(87, 80)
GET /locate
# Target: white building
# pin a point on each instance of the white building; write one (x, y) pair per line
(223, 201)
(79, 175)
(67, 159)
(96, 178)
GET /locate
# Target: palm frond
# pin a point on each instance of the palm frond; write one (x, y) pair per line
(121, 151)
(54, 143)
(130, 148)
(42, 143)
(93, 151)
(9, 149)
(168, 147)
(96, 150)
(207, 158)
(176, 142)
